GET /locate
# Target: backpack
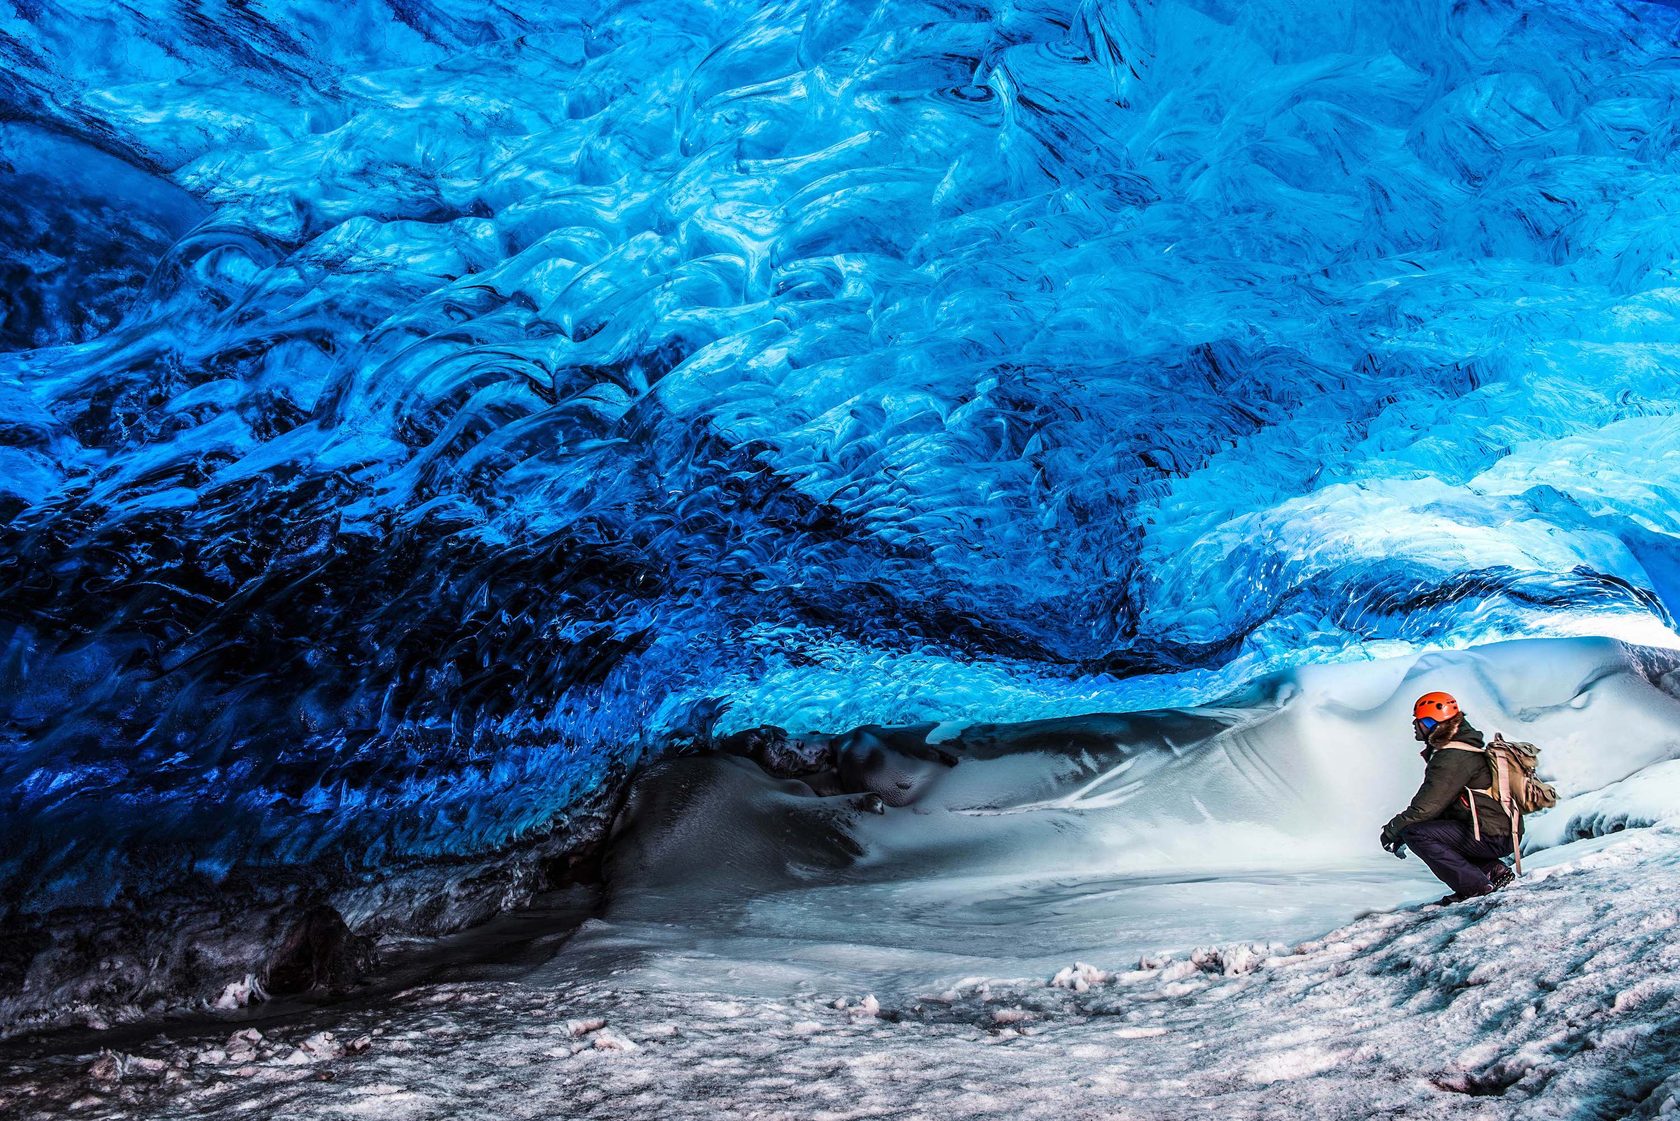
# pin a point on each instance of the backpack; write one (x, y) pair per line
(1515, 786)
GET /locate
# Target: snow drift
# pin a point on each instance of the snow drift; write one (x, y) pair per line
(1112, 836)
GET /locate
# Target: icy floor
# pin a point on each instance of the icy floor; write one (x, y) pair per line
(1558, 998)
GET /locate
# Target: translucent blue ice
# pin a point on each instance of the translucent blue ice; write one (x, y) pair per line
(411, 412)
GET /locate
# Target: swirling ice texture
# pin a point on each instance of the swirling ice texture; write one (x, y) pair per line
(412, 411)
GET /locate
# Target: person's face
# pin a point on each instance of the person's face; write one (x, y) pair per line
(1423, 726)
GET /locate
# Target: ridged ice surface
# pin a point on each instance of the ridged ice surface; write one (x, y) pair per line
(412, 413)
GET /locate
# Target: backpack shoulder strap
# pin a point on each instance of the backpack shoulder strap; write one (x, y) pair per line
(1456, 746)
(1470, 792)
(1500, 792)
(1499, 759)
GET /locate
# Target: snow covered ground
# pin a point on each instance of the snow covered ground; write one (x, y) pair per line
(1558, 998)
(1119, 917)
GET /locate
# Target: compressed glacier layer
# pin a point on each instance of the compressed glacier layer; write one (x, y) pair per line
(411, 414)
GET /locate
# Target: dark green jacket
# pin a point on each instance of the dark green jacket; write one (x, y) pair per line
(1447, 772)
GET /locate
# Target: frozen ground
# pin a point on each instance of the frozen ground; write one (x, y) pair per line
(763, 951)
(1559, 998)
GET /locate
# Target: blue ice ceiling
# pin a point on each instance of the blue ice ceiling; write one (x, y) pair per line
(413, 410)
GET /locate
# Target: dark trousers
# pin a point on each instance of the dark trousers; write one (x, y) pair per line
(1454, 855)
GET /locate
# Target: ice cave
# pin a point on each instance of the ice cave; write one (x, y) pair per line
(626, 559)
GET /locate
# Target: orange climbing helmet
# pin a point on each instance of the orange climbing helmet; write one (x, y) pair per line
(1435, 706)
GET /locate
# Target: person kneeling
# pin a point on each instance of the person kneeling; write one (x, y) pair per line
(1460, 835)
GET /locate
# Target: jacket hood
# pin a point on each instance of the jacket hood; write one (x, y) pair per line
(1466, 733)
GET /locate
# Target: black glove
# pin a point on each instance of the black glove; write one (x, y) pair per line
(1393, 844)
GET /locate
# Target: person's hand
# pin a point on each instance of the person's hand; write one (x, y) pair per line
(1393, 844)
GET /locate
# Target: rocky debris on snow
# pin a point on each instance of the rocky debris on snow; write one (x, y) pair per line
(321, 1045)
(593, 1034)
(866, 1009)
(237, 994)
(112, 1067)
(579, 1028)
(1230, 961)
(978, 987)
(106, 1068)
(608, 1040)
(244, 1045)
(1080, 977)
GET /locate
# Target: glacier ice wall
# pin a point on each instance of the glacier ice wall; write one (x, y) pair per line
(412, 411)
